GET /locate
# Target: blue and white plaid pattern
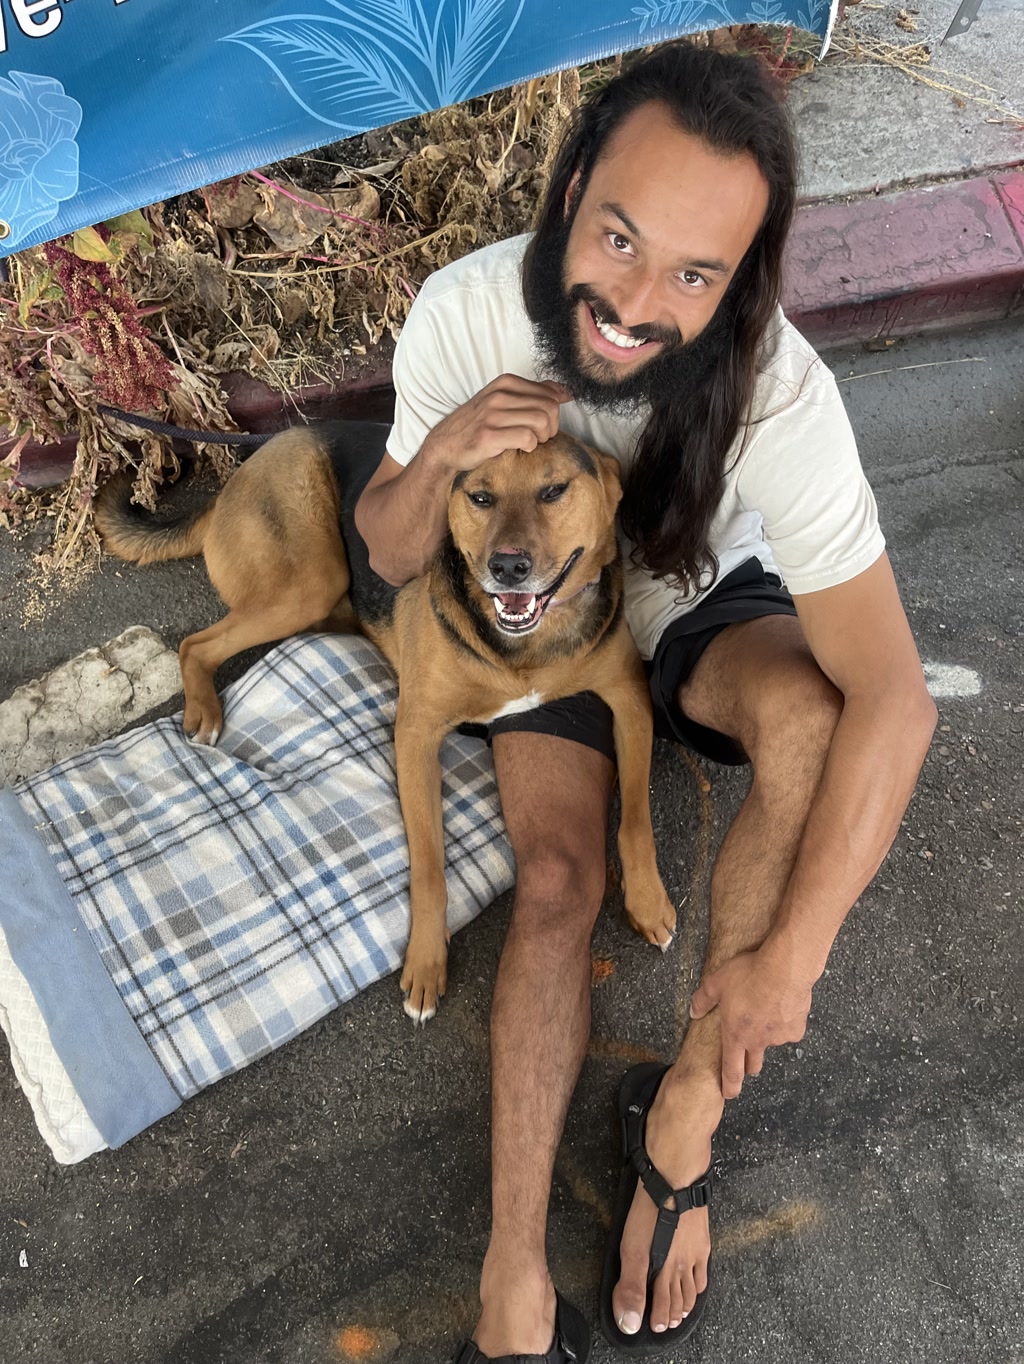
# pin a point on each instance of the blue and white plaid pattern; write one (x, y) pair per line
(237, 894)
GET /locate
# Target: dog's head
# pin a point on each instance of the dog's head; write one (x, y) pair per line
(535, 528)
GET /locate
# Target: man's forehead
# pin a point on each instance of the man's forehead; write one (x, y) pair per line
(665, 185)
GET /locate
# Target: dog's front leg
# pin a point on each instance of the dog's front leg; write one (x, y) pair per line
(425, 973)
(648, 907)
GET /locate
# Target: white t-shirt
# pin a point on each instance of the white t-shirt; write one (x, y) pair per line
(794, 495)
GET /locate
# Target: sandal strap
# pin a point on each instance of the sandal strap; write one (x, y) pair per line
(659, 1190)
(561, 1352)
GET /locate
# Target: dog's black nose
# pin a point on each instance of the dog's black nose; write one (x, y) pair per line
(510, 568)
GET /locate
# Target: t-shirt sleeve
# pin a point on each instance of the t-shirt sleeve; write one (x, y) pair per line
(431, 378)
(802, 473)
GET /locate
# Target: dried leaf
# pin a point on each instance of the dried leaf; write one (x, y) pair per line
(362, 202)
(290, 225)
(232, 203)
(35, 289)
(87, 244)
(132, 230)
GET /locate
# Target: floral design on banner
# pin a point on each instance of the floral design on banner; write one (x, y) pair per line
(372, 62)
(693, 16)
(38, 151)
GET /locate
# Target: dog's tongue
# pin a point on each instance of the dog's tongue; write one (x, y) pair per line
(515, 602)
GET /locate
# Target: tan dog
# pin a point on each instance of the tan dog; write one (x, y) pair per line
(522, 604)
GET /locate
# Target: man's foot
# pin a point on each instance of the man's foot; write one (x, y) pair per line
(516, 1317)
(518, 1314)
(679, 1127)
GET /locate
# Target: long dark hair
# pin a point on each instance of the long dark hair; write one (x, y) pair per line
(674, 485)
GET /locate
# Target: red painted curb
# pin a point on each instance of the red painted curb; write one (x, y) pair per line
(916, 260)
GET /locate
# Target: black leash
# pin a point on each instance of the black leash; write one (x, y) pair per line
(181, 433)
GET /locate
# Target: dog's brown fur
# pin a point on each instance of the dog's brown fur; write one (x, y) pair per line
(275, 553)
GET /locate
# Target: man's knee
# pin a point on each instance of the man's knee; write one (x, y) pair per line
(560, 884)
(793, 720)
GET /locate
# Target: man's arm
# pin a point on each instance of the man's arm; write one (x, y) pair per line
(859, 635)
(403, 511)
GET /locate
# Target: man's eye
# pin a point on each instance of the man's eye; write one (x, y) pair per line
(553, 493)
(481, 499)
(620, 242)
(692, 278)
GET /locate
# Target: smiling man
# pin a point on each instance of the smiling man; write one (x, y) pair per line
(643, 316)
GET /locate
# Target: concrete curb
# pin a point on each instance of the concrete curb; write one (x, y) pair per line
(920, 259)
(84, 701)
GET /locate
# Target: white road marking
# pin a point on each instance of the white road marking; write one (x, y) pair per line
(950, 679)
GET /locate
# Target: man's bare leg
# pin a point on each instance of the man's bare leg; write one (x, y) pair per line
(555, 796)
(758, 683)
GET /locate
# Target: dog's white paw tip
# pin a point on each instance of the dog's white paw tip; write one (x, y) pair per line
(200, 740)
(664, 946)
(418, 1016)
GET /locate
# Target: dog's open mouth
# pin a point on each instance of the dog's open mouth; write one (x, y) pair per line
(517, 613)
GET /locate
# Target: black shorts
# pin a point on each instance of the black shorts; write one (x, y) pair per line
(744, 594)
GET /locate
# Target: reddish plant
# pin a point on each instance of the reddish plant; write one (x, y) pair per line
(131, 371)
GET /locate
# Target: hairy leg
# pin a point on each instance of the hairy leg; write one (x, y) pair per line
(555, 796)
(758, 683)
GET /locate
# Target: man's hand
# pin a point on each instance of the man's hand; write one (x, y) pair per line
(511, 413)
(763, 1000)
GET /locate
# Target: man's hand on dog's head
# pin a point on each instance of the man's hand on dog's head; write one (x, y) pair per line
(511, 413)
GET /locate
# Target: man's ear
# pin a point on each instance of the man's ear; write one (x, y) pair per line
(572, 190)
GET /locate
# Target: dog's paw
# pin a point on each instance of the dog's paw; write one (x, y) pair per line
(654, 919)
(202, 724)
(423, 983)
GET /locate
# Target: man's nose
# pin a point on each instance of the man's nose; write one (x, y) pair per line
(638, 302)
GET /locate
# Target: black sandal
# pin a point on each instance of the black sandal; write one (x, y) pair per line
(636, 1094)
(571, 1344)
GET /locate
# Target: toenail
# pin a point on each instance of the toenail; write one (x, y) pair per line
(675, 1323)
(629, 1323)
(660, 1326)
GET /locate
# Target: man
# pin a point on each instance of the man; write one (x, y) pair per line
(644, 319)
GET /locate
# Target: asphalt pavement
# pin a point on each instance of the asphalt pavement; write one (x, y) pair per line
(330, 1203)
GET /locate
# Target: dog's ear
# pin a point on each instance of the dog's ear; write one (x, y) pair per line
(611, 480)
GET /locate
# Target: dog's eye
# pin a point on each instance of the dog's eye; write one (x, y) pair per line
(481, 499)
(553, 493)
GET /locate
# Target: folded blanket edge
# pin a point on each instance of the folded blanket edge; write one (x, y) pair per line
(114, 1072)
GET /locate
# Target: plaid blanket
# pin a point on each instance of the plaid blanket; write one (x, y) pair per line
(178, 911)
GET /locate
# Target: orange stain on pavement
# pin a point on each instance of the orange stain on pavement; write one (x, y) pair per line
(601, 969)
(361, 1344)
(608, 1049)
(787, 1220)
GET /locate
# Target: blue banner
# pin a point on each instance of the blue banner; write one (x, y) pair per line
(109, 105)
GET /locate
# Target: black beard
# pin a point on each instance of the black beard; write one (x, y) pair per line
(678, 367)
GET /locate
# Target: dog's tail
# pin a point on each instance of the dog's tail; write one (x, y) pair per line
(131, 532)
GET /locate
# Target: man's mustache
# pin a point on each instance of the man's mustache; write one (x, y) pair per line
(646, 331)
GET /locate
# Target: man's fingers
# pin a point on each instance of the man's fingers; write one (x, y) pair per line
(704, 999)
(755, 1060)
(733, 1068)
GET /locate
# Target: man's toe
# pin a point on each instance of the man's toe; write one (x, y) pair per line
(630, 1296)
